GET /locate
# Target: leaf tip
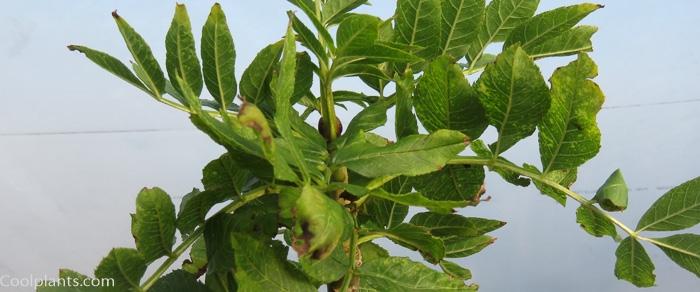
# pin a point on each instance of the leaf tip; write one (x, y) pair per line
(73, 48)
(115, 15)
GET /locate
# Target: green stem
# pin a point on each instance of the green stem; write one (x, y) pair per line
(369, 237)
(180, 249)
(351, 268)
(494, 163)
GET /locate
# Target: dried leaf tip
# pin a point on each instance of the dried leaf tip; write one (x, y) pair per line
(115, 15)
(73, 48)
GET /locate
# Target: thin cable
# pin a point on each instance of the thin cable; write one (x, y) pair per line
(95, 132)
(127, 131)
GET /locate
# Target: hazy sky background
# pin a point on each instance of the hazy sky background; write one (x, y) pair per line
(65, 199)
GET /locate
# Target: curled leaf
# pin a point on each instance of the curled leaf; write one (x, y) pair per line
(612, 195)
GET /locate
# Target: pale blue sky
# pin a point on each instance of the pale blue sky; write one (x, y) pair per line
(65, 199)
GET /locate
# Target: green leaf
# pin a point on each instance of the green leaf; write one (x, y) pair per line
(219, 57)
(178, 280)
(406, 123)
(260, 266)
(225, 174)
(452, 183)
(221, 282)
(304, 76)
(445, 100)
(633, 264)
(198, 258)
(368, 119)
(181, 57)
(334, 10)
(371, 251)
(500, 18)
(678, 209)
(565, 178)
(416, 238)
(453, 225)
(455, 271)
(283, 91)
(194, 208)
(569, 134)
(326, 270)
(573, 41)
(126, 266)
(153, 75)
(461, 20)
(402, 274)
(417, 23)
(379, 52)
(547, 25)
(111, 64)
(385, 213)
(514, 95)
(307, 6)
(459, 247)
(683, 249)
(612, 195)
(320, 224)
(481, 150)
(307, 37)
(417, 199)
(412, 155)
(357, 32)
(255, 82)
(594, 223)
(153, 225)
(217, 232)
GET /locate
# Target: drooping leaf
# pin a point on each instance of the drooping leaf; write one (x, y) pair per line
(564, 178)
(455, 271)
(225, 174)
(594, 223)
(111, 64)
(573, 41)
(335, 10)
(412, 155)
(678, 209)
(445, 100)
(452, 183)
(194, 208)
(417, 23)
(198, 258)
(181, 55)
(416, 238)
(612, 195)
(326, 270)
(385, 212)
(461, 20)
(406, 123)
(260, 266)
(178, 280)
(500, 18)
(453, 225)
(402, 274)
(417, 199)
(153, 224)
(633, 264)
(481, 150)
(547, 25)
(152, 74)
(126, 266)
(320, 224)
(255, 82)
(569, 134)
(514, 95)
(683, 249)
(219, 57)
(459, 247)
